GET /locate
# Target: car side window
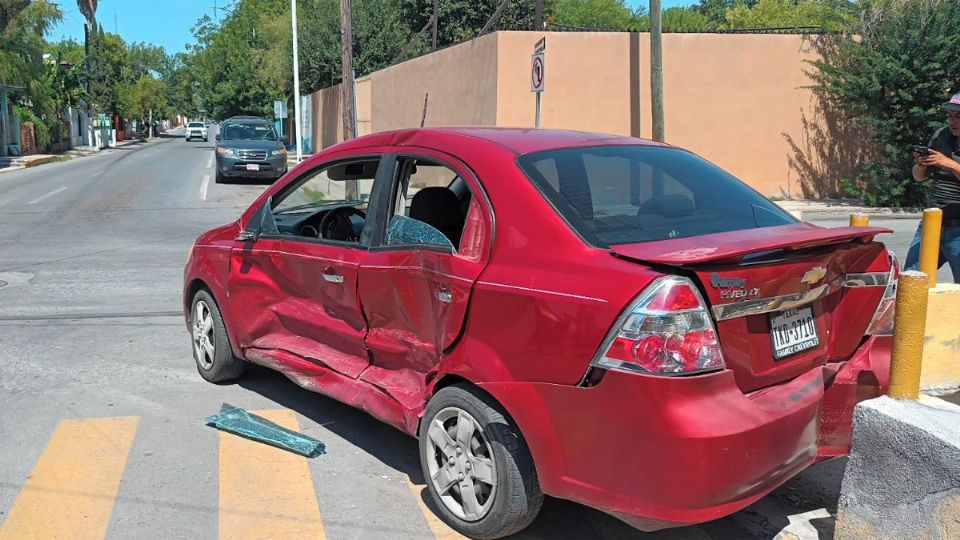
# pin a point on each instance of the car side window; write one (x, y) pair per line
(328, 203)
(425, 210)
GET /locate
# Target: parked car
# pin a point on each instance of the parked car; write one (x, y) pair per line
(602, 319)
(196, 130)
(249, 147)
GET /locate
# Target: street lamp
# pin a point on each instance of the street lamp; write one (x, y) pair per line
(296, 80)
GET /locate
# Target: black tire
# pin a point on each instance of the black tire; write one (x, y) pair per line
(218, 178)
(224, 366)
(518, 498)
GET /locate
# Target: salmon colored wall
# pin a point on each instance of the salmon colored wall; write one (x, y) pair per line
(328, 114)
(731, 98)
(461, 82)
(738, 100)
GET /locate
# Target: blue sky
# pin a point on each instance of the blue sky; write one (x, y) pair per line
(168, 22)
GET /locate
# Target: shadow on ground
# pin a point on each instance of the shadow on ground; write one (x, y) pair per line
(558, 519)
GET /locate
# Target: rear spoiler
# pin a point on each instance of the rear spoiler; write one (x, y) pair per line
(734, 245)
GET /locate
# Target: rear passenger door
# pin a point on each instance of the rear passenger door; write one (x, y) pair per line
(416, 281)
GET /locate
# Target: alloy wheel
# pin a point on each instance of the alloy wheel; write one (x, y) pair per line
(461, 464)
(203, 341)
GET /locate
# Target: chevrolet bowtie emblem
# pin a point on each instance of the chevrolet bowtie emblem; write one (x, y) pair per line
(814, 275)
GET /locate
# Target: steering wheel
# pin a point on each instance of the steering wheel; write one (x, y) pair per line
(336, 224)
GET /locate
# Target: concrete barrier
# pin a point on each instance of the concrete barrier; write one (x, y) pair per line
(903, 477)
(941, 345)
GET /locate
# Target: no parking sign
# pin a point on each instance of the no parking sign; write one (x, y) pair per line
(537, 77)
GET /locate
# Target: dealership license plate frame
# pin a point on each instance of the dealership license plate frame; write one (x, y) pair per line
(796, 345)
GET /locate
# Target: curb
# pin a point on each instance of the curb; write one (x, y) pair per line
(45, 160)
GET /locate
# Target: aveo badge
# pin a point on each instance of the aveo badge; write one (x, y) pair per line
(732, 288)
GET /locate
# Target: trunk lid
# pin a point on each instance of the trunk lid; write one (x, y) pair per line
(782, 297)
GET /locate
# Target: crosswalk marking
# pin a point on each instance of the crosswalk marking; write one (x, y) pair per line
(71, 491)
(266, 492)
(440, 529)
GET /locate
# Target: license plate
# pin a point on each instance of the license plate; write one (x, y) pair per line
(792, 331)
(253, 167)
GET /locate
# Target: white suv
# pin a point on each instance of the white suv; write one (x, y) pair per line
(196, 130)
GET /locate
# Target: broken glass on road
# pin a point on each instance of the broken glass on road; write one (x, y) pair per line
(240, 422)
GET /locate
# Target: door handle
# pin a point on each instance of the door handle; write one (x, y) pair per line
(444, 296)
(330, 275)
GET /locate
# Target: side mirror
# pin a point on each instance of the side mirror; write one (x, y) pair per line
(261, 222)
(216, 137)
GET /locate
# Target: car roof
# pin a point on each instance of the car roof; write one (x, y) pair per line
(516, 140)
(247, 119)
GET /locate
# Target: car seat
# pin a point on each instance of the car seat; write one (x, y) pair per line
(439, 208)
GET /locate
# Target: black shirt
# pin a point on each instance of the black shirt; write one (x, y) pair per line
(946, 186)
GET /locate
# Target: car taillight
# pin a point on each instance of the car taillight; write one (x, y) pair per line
(882, 323)
(667, 330)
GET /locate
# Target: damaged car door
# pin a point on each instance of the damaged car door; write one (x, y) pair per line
(415, 284)
(293, 276)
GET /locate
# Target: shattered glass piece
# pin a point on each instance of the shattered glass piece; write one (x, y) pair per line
(239, 422)
(405, 231)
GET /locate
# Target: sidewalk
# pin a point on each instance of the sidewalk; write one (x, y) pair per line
(843, 208)
(33, 160)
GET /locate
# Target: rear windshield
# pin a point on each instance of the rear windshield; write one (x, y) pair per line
(249, 132)
(624, 194)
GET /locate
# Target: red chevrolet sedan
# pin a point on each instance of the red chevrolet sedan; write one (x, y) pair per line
(597, 318)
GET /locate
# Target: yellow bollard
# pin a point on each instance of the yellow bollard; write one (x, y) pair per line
(859, 220)
(930, 243)
(909, 325)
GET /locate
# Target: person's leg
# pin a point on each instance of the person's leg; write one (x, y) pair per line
(950, 249)
(913, 254)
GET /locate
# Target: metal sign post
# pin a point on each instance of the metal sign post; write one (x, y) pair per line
(537, 74)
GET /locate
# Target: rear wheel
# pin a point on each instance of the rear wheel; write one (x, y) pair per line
(477, 466)
(211, 346)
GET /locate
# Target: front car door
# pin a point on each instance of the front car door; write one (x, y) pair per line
(416, 281)
(295, 285)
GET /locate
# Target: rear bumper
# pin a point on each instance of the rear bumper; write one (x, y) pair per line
(664, 452)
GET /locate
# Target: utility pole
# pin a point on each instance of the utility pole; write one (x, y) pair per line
(351, 189)
(656, 69)
(436, 21)
(538, 16)
(296, 81)
(346, 85)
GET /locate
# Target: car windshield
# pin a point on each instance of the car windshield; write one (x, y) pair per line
(195, 124)
(624, 194)
(249, 132)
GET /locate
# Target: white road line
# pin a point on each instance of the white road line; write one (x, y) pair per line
(204, 186)
(210, 163)
(48, 195)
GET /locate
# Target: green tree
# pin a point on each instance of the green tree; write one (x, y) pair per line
(596, 14)
(68, 50)
(22, 64)
(138, 100)
(889, 82)
(684, 19)
(832, 15)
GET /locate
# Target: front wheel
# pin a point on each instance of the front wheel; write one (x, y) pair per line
(477, 465)
(211, 346)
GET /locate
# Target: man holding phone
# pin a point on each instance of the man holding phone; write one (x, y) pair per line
(941, 161)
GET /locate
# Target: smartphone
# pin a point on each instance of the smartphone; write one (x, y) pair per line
(920, 150)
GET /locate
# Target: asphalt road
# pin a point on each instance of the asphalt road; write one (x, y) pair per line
(102, 410)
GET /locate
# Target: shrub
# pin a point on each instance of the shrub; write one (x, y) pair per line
(890, 81)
